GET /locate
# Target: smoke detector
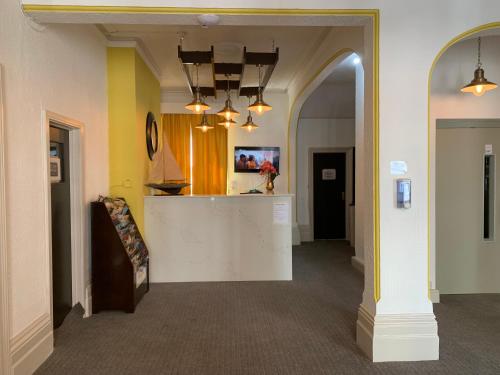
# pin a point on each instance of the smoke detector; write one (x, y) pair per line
(206, 20)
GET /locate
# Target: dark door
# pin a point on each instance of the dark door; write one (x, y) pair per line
(329, 195)
(61, 224)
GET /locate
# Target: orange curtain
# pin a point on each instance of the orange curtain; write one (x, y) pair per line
(210, 158)
(209, 152)
(176, 131)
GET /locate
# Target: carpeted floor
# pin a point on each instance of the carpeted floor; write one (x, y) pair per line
(306, 326)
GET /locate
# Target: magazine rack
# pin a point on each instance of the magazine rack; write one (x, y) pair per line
(120, 259)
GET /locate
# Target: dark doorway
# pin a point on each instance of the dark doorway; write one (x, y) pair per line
(329, 195)
(61, 224)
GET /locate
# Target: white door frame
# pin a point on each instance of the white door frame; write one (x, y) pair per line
(348, 151)
(76, 129)
(5, 326)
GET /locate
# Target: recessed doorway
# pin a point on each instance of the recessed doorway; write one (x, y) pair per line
(329, 190)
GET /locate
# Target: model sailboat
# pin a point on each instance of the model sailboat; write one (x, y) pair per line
(165, 174)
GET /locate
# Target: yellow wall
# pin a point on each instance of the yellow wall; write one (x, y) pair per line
(133, 91)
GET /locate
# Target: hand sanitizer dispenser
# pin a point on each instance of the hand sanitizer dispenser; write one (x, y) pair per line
(403, 188)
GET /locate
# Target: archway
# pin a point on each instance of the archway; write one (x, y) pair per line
(469, 115)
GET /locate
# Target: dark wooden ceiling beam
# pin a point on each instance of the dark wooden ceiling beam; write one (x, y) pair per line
(266, 60)
(228, 68)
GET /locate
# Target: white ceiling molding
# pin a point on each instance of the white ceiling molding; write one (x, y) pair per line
(141, 49)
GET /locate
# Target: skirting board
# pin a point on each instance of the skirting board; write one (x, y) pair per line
(358, 264)
(434, 294)
(31, 347)
(397, 337)
(296, 235)
(306, 234)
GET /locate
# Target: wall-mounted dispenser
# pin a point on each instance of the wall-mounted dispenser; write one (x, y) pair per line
(403, 190)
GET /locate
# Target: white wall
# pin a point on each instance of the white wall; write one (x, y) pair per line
(465, 262)
(272, 131)
(454, 69)
(330, 100)
(61, 69)
(317, 133)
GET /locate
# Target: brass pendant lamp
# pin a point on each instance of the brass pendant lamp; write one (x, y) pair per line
(249, 126)
(259, 106)
(198, 105)
(479, 85)
(204, 125)
(227, 123)
(228, 112)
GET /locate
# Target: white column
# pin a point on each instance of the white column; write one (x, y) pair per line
(395, 319)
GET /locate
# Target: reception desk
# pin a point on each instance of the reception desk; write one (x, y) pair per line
(219, 238)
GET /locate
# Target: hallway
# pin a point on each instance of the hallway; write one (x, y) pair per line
(306, 326)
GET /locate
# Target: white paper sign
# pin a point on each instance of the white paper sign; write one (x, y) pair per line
(398, 168)
(281, 213)
(488, 149)
(329, 174)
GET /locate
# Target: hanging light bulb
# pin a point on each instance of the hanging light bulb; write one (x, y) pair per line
(259, 106)
(198, 105)
(204, 125)
(228, 112)
(249, 126)
(227, 123)
(479, 85)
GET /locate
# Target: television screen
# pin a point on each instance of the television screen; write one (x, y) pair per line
(249, 159)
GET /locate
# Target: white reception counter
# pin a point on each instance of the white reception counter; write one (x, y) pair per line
(219, 238)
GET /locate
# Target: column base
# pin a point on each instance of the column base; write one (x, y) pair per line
(434, 295)
(397, 337)
(358, 264)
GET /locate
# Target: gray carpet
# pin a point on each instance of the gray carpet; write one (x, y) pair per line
(302, 327)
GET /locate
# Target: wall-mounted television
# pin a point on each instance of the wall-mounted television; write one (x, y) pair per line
(248, 159)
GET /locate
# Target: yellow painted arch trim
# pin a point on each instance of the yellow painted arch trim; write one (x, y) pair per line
(488, 26)
(192, 10)
(373, 13)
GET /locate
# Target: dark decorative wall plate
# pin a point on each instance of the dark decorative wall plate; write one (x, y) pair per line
(151, 135)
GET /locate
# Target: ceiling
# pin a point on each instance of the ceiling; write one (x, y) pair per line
(296, 44)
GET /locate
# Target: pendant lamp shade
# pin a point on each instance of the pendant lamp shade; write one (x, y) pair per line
(479, 85)
(197, 105)
(204, 125)
(228, 112)
(259, 106)
(227, 123)
(249, 126)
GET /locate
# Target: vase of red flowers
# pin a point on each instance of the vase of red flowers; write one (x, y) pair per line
(270, 173)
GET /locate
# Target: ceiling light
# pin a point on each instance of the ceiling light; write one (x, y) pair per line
(259, 106)
(228, 112)
(249, 125)
(197, 105)
(204, 125)
(227, 123)
(206, 20)
(479, 85)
